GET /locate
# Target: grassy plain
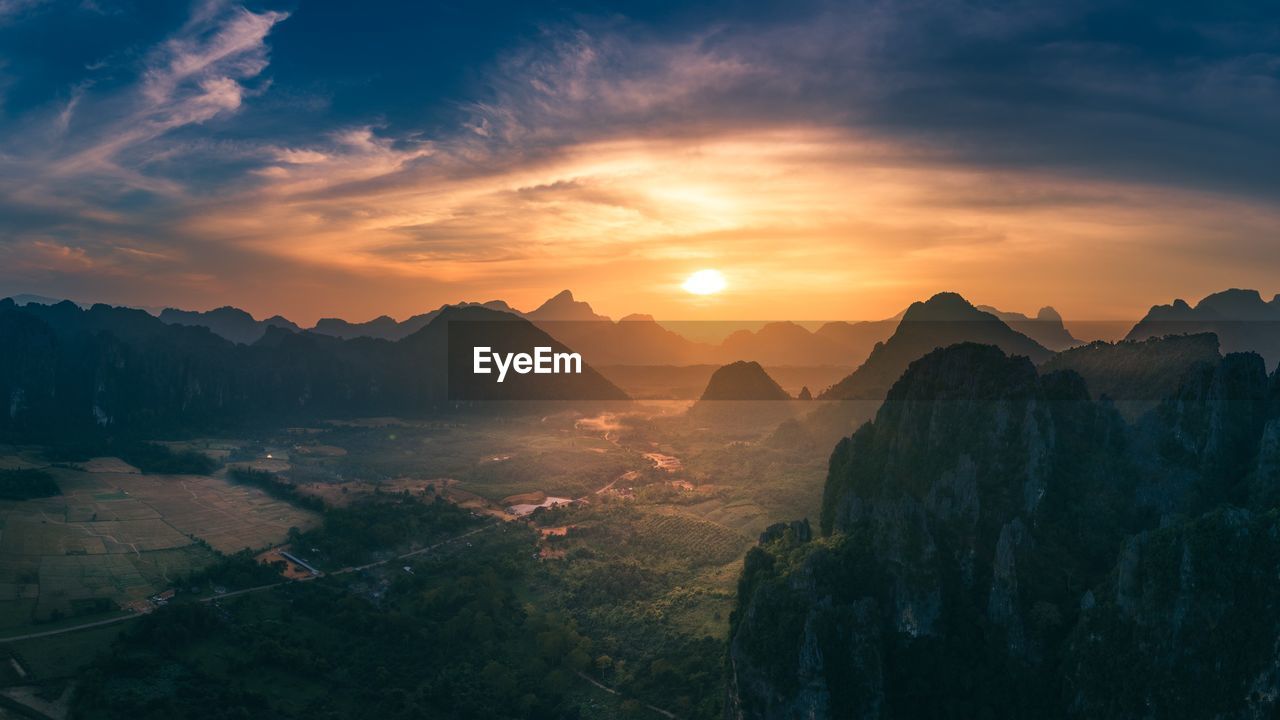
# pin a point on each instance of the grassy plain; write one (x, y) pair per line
(115, 536)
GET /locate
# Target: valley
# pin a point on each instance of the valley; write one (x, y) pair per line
(609, 496)
(602, 557)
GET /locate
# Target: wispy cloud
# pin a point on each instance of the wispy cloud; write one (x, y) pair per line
(879, 148)
(191, 78)
(70, 173)
(10, 9)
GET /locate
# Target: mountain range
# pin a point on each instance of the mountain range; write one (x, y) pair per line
(1231, 321)
(942, 320)
(999, 543)
(1241, 319)
(66, 370)
(743, 380)
(636, 339)
(1045, 328)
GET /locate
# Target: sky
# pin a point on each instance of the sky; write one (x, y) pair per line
(831, 160)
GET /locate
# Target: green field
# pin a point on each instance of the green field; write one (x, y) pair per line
(644, 566)
(114, 538)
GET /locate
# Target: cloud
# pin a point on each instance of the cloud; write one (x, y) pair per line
(10, 9)
(80, 175)
(197, 74)
(575, 80)
(191, 78)
(890, 148)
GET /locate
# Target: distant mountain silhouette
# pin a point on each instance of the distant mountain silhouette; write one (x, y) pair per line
(387, 328)
(231, 323)
(28, 298)
(743, 381)
(945, 319)
(446, 346)
(383, 327)
(1045, 328)
(858, 339)
(1241, 319)
(805, 394)
(637, 339)
(65, 370)
(785, 343)
(563, 307)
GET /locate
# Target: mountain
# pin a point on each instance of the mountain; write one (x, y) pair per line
(637, 339)
(562, 307)
(1137, 374)
(743, 381)
(28, 299)
(446, 345)
(383, 327)
(387, 328)
(858, 339)
(1241, 319)
(786, 343)
(996, 543)
(944, 319)
(1045, 328)
(22, 299)
(231, 323)
(634, 340)
(67, 371)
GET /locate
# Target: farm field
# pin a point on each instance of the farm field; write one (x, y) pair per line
(115, 537)
(644, 561)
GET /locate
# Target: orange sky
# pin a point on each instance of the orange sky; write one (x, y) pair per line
(832, 165)
(805, 223)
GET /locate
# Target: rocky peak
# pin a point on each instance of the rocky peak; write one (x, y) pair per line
(743, 380)
(564, 308)
(987, 535)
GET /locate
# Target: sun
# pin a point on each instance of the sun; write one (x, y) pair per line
(705, 282)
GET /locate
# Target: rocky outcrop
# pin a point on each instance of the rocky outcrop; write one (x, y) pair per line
(943, 320)
(1211, 429)
(1045, 328)
(1241, 319)
(1188, 627)
(742, 381)
(1138, 372)
(229, 322)
(990, 546)
(65, 370)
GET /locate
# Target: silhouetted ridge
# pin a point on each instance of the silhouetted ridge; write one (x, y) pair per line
(1045, 328)
(387, 328)
(67, 370)
(229, 322)
(743, 380)
(563, 307)
(995, 533)
(1144, 372)
(943, 320)
(1241, 319)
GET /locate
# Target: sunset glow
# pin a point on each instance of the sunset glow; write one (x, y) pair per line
(705, 282)
(588, 155)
